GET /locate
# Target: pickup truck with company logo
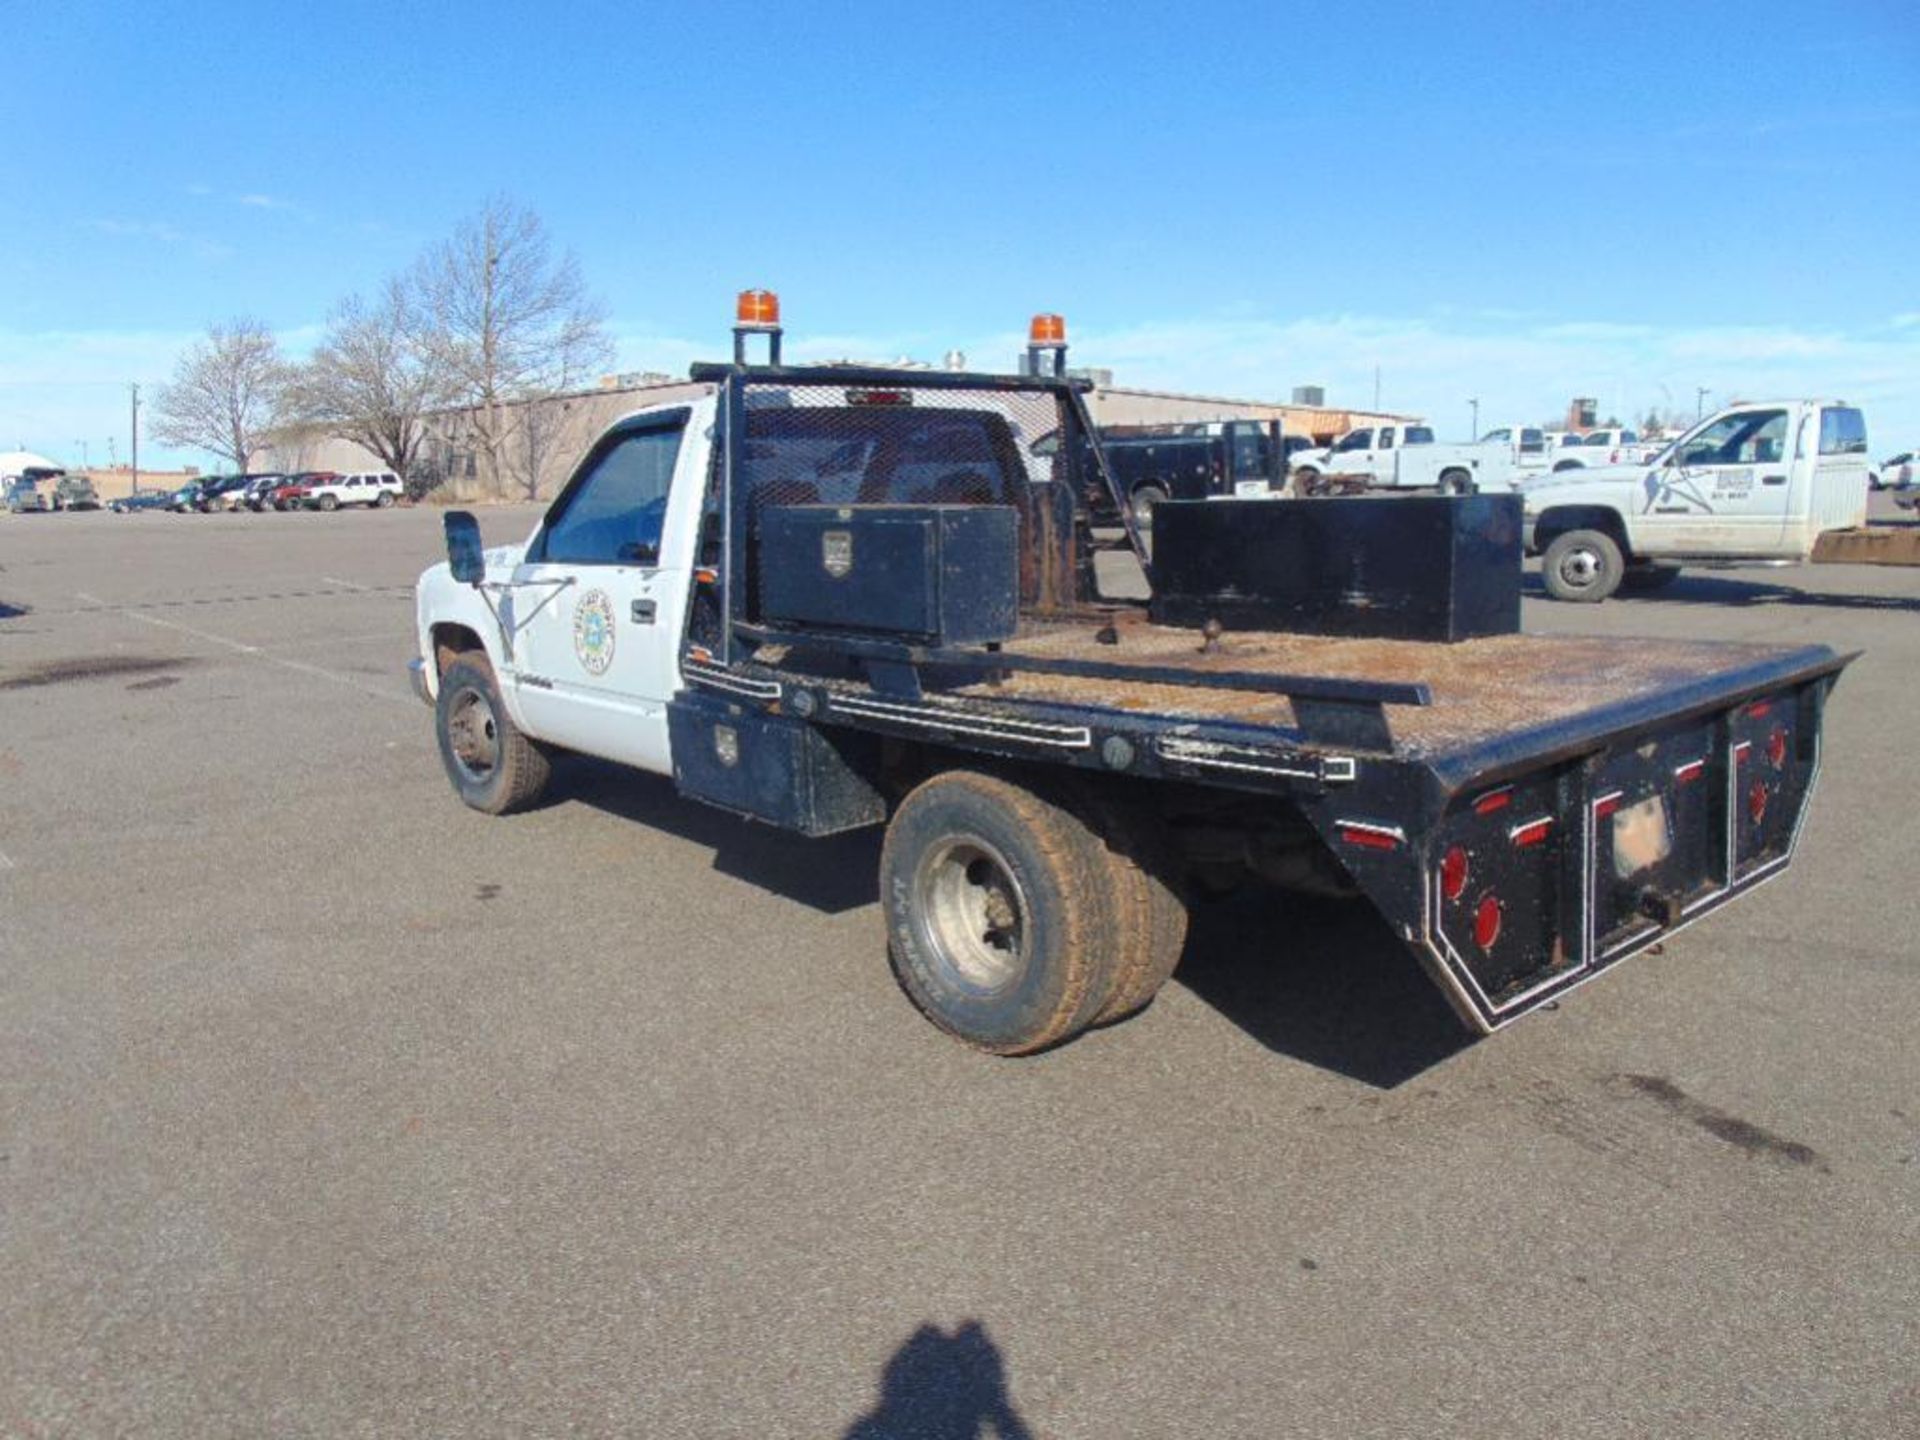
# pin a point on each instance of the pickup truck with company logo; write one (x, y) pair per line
(1775, 482)
(827, 598)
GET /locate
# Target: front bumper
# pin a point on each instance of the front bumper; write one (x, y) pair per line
(417, 674)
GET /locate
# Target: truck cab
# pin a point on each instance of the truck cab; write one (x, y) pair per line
(1374, 453)
(1752, 482)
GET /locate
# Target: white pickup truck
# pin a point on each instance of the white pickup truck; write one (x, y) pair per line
(1406, 457)
(1753, 482)
(1612, 445)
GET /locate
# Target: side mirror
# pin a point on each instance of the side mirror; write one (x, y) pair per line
(466, 557)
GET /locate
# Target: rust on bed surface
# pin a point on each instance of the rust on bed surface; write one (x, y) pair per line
(1480, 688)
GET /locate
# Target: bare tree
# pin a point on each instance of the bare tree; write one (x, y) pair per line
(225, 393)
(506, 322)
(370, 380)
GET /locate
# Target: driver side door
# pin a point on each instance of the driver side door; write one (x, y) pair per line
(1724, 490)
(600, 598)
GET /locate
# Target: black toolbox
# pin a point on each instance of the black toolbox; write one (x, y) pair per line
(923, 574)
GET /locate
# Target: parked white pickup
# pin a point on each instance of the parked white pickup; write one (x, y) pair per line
(1751, 482)
(378, 488)
(1406, 457)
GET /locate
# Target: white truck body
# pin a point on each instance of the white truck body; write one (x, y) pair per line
(1406, 457)
(555, 611)
(1750, 482)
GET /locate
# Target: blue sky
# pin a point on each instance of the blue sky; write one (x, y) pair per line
(1510, 202)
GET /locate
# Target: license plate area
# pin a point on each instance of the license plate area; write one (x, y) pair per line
(1658, 833)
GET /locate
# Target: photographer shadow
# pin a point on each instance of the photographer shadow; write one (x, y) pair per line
(938, 1386)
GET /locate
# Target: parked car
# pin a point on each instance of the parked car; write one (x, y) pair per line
(293, 492)
(1898, 473)
(257, 493)
(75, 492)
(218, 493)
(375, 489)
(144, 500)
(186, 498)
(24, 496)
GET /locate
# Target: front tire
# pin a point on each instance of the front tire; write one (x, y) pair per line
(493, 765)
(999, 912)
(1582, 565)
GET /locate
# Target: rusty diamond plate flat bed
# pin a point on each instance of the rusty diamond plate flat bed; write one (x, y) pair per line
(1497, 703)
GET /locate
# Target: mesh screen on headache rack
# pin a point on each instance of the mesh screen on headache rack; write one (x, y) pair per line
(900, 445)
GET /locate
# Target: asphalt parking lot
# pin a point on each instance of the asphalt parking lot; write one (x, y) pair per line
(328, 1107)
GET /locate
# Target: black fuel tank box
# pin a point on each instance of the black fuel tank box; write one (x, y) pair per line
(775, 768)
(1396, 567)
(925, 574)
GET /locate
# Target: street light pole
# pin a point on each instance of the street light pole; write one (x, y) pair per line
(1700, 401)
(135, 388)
(1473, 431)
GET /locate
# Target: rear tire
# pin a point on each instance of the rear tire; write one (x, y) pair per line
(1000, 917)
(1457, 482)
(493, 765)
(1149, 905)
(329, 502)
(383, 500)
(1582, 565)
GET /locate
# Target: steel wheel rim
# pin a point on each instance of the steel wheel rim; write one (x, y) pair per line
(1580, 568)
(473, 734)
(972, 913)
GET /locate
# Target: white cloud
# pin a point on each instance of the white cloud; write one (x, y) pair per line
(263, 202)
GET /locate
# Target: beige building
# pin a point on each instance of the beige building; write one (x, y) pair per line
(547, 438)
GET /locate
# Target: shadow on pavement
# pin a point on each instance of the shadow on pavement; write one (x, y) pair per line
(943, 1387)
(1708, 589)
(1322, 981)
(832, 875)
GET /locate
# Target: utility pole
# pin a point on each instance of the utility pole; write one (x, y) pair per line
(1700, 401)
(1473, 432)
(135, 388)
(1376, 389)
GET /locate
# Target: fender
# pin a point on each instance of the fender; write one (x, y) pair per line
(439, 601)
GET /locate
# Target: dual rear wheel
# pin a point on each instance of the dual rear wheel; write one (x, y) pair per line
(1017, 917)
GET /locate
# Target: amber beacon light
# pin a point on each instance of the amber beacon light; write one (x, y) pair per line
(756, 312)
(758, 308)
(1047, 332)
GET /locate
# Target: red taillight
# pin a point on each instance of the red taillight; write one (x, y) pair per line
(1493, 800)
(1741, 751)
(1757, 801)
(1486, 922)
(1692, 770)
(1607, 804)
(1531, 833)
(1453, 873)
(1777, 747)
(1370, 837)
(1758, 710)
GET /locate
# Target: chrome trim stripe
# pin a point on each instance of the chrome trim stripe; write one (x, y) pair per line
(720, 679)
(960, 722)
(1212, 755)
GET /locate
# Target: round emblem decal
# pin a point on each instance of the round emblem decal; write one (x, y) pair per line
(593, 632)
